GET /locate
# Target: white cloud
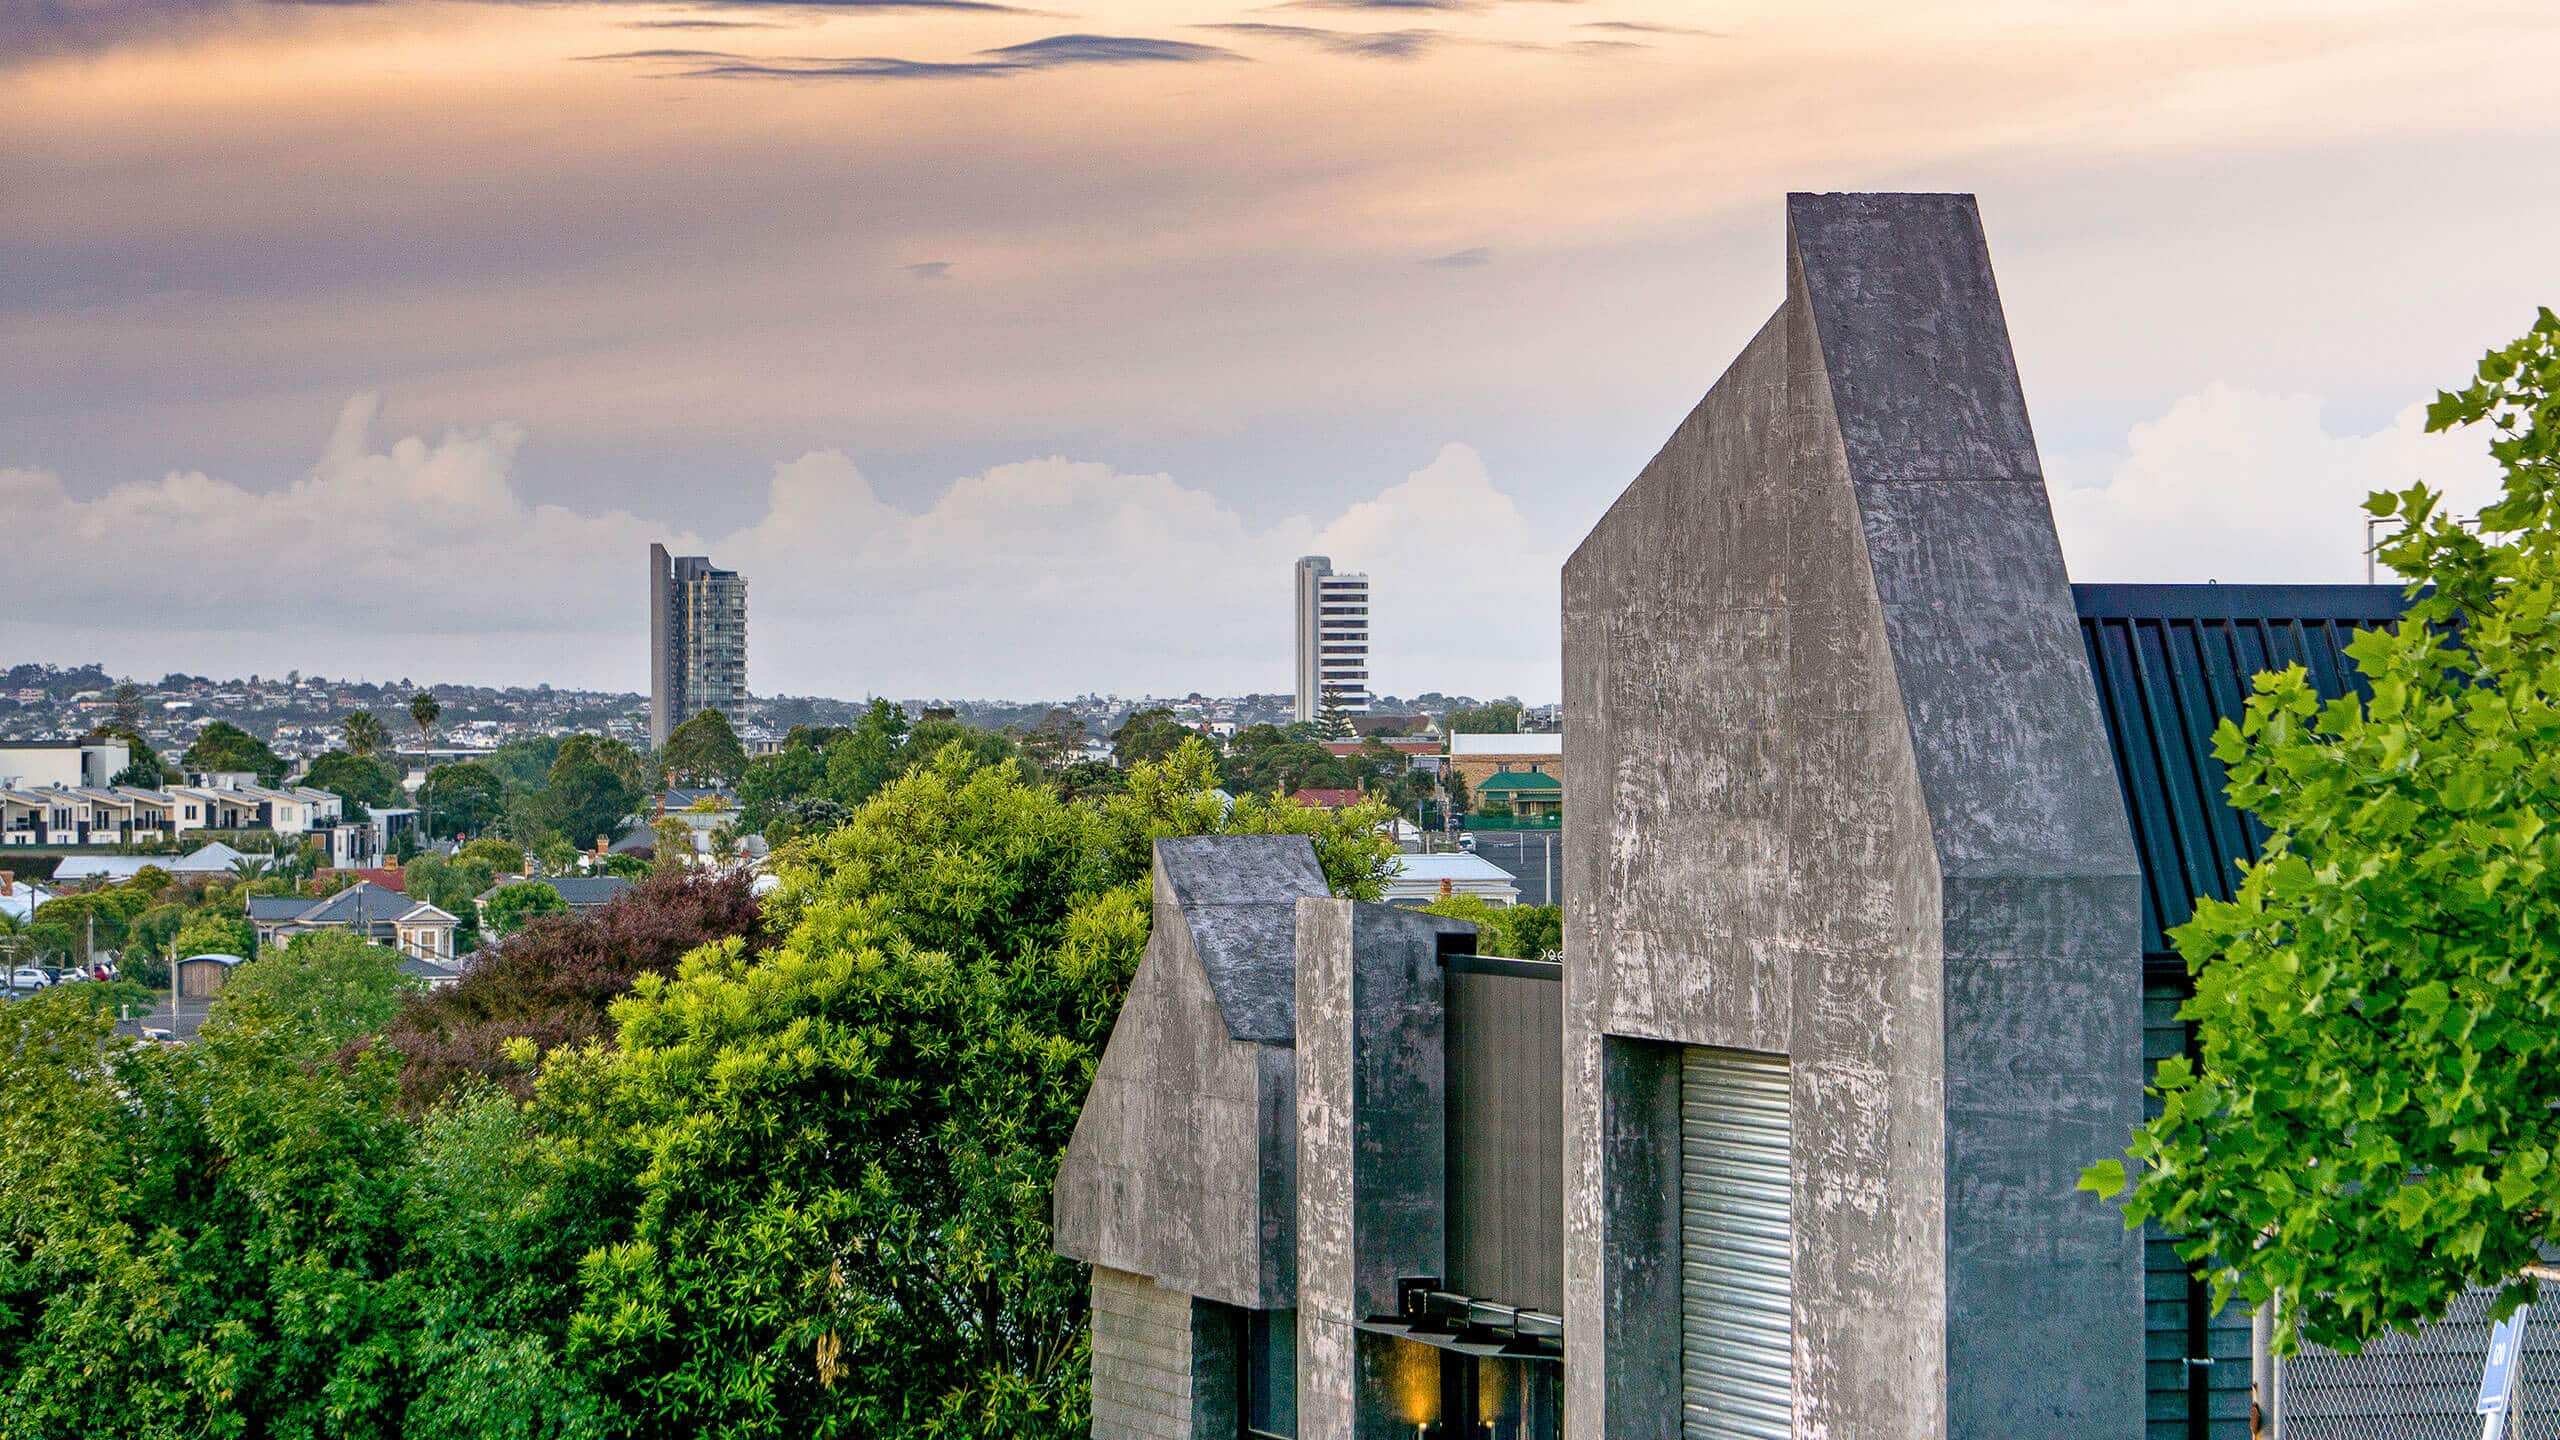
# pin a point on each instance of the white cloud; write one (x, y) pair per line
(1044, 577)
(2241, 486)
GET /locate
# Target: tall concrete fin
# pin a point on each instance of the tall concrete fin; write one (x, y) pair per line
(2040, 939)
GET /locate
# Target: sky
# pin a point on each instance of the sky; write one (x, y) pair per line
(1015, 351)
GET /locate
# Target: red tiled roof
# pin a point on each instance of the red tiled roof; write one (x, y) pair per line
(387, 879)
(1327, 799)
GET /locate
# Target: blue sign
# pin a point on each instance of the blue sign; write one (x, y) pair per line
(2498, 1373)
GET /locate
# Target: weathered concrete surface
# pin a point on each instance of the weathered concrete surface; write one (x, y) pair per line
(1372, 1145)
(1183, 1166)
(1848, 799)
(1142, 1359)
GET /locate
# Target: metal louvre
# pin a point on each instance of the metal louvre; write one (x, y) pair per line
(1737, 1247)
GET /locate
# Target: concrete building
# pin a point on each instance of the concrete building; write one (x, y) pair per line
(1881, 824)
(1333, 641)
(697, 641)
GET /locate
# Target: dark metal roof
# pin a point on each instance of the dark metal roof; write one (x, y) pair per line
(2173, 661)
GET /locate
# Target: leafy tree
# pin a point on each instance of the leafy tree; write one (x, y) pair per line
(361, 780)
(464, 799)
(2372, 1125)
(1148, 735)
(556, 857)
(953, 960)
(503, 857)
(1499, 717)
(364, 733)
(935, 732)
(515, 906)
(330, 984)
(772, 785)
(868, 756)
(593, 788)
(1522, 932)
(549, 986)
(209, 932)
(527, 760)
(672, 844)
(704, 751)
(1056, 740)
(222, 745)
(1332, 720)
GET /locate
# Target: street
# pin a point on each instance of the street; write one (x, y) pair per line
(1533, 857)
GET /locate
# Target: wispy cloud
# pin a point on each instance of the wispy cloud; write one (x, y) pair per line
(702, 24)
(1446, 7)
(928, 270)
(1467, 259)
(1365, 44)
(1642, 27)
(1055, 52)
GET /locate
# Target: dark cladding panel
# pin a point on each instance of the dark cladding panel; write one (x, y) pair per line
(1506, 1135)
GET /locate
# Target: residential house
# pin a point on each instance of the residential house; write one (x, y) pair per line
(18, 901)
(584, 894)
(1532, 795)
(210, 860)
(1476, 757)
(386, 917)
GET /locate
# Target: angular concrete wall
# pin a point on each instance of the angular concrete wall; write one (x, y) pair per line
(1183, 1167)
(1845, 796)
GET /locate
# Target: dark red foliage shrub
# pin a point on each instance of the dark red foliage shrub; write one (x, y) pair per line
(554, 981)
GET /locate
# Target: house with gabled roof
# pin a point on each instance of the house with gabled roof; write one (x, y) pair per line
(386, 917)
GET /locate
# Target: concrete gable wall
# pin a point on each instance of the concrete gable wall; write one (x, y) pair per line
(1165, 1176)
(1842, 802)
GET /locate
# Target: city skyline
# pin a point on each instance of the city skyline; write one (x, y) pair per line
(983, 351)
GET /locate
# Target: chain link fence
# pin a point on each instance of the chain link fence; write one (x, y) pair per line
(2420, 1387)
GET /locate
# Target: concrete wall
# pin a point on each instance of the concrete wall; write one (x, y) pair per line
(1183, 1166)
(1842, 793)
(1371, 1148)
(1164, 1364)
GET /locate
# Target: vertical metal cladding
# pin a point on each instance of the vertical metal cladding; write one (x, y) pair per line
(1737, 1243)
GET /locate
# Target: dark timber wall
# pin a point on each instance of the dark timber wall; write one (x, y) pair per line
(1506, 1141)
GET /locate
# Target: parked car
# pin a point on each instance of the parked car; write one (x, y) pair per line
(30, 977)
(1467, 841)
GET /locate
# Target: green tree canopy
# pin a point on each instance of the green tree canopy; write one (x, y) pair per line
(704, 751)
(1496, 717)
(467, 798)
(2371, 1127)
(222, 745)
(362, 781)
(1148, 735)
(330, 984)
(594, 787)
(515, 906)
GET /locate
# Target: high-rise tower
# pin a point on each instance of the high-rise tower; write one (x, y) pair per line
(1333, 641)
(697, 640)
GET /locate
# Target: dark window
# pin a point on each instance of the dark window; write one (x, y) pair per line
(1268, 1392)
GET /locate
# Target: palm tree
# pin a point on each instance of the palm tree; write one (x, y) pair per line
(364, 733)
(424, 708)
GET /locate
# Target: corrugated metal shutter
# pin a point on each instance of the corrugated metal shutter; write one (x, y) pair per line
(1737, 1248)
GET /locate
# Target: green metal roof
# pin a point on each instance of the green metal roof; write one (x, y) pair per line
(1519, 780)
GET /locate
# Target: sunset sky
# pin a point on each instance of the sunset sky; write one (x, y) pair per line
(1015, 351)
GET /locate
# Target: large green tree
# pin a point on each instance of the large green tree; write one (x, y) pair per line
(466, 798)
(704, 751)
(222, 745)
(362, 781)
(1494, 717)
(515, 906)
(364, 732)
(594, 787)
(2374, 1122)
(842, 1153)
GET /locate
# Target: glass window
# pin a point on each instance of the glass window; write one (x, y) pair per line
(1269, 1392)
